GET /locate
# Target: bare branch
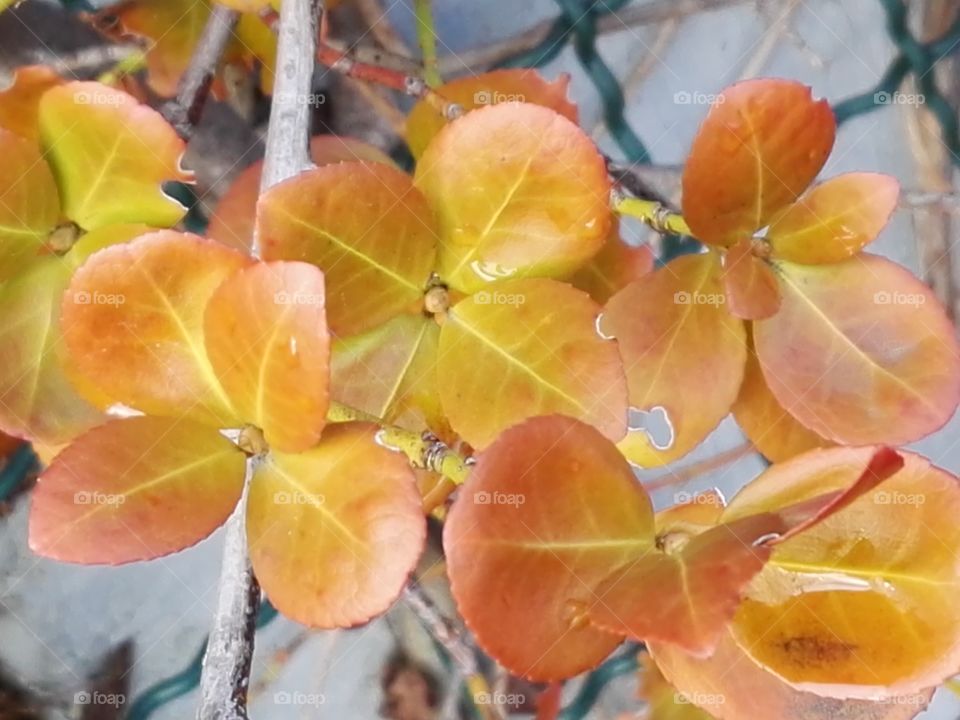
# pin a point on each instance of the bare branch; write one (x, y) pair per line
(184, 112)
(287, 134)
(226, 665)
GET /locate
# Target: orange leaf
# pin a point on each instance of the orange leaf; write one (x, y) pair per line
(29, 205)
(762, 143)
(688, 594)
(688, 597)
(613, 268)
(490, 88)
(519, 190)
(861, 605)
(549, 507)
(773, 431)
(19, 102)
(133, 323)
(233, 220)
(391, 373)
(835, 219)
(526, 348)
(366, 226)
(335, 531)
(135, 489)
(750, 284)
(860, 352)
(683, 354)
(731, 686)
(110, 155)
(265, 333)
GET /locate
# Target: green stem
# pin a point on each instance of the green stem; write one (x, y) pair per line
(422, 449)
(660, 218)
(427, 37)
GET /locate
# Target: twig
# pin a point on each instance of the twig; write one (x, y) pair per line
(427, 37)
(184, 112)
(656, 11)
(422, 450)
(630, 180)
(655, 214)
(345, 63)
(460, 652)
(695, 470)
(226, 665)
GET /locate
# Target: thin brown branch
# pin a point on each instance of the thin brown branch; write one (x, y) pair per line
(184, 112)
(695, 470)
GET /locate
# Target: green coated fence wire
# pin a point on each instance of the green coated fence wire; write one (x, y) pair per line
(578, 23)
(21, 463)
(185, 681)
(623, 663)
(914, 58)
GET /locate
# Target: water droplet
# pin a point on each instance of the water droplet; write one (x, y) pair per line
(491, 271)
(120, 410)
(293, 345)
(655, 423)
(575, 614)
(380, 438)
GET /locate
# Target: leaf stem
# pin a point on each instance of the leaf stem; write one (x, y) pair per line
(427, 37)
(653, 213)
(423, 450)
